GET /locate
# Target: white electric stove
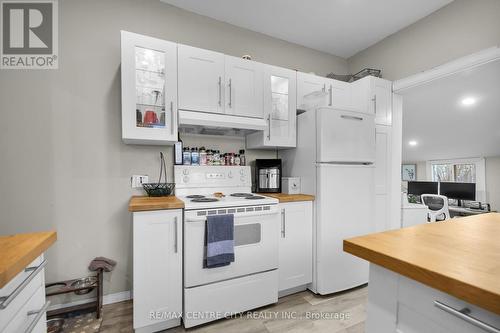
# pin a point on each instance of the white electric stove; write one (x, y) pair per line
(251, 281)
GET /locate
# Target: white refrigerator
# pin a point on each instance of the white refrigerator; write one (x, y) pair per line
(335, 158)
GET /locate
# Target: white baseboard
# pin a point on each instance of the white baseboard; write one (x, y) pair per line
(106, 299)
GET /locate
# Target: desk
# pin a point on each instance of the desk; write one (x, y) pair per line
(462, 211)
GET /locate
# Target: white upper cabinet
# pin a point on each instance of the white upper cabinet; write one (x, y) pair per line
(311, 90)
(316, 91)
(280, 109)
(201, 80)
(149, 89)
(374, 95)
(243, 87)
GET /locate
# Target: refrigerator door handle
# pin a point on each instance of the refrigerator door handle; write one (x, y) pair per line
(351, 117)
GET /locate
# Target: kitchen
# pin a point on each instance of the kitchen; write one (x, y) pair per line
(217, 100)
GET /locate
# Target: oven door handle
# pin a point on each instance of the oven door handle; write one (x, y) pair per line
(204, 217)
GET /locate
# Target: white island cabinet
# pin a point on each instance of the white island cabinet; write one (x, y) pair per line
(295, 246)
(433, 277)
(157, 257)
(149, 90)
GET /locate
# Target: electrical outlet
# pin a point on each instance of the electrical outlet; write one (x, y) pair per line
(137, 180)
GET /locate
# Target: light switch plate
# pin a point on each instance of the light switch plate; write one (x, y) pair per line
(136, 181)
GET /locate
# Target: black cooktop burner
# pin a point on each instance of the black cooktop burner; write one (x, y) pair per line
(242, 195)
(255, 197)
(204, 200)
(195, 196)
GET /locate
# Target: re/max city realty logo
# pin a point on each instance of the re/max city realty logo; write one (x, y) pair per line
(29, 34)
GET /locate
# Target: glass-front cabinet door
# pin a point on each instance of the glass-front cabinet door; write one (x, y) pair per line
(149, 90)
(280, 106)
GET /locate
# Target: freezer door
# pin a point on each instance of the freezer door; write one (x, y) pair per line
(345, 136)
(345, 209)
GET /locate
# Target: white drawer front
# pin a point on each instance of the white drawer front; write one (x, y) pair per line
(218, 300)
(421, 299)
(25, 293)
(28, 314)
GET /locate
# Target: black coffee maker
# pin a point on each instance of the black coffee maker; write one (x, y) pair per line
(268, 175)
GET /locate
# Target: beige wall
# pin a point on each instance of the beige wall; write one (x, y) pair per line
(64, 166)
(458, 29)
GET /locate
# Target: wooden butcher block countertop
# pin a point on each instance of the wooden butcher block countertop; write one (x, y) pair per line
(282, 197)
(460, 257)
(144, 203)
(18, 251)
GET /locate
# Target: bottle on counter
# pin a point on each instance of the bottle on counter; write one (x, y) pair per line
(237, 160)
(195, 156)
(223, 159)
(243, 160)
(178, 152)
(231, 159)
(186, 156)
(203, 156)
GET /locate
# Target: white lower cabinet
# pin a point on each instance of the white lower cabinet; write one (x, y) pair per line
(22, 301)
(295, 246)
(157, 269)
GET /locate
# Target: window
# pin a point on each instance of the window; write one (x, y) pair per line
(461, 171)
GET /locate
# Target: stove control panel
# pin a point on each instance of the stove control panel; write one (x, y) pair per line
(212, 176)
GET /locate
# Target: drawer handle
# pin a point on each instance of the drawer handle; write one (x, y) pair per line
(39, 314)
(5, 300)
(464, 315)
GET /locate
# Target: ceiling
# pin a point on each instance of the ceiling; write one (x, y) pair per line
(338, 27)
(444, 128)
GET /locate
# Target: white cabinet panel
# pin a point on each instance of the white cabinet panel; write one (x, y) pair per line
(201, 80)
(149, 89)
(311, 91)
(295, 247)
(280, 105)
(157, 267)
(339, 94)
(243, 87)
(382, 101)
(374, 95)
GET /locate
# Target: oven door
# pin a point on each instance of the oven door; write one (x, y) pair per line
(256, 235)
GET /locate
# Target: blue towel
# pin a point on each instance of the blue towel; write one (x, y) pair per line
(220, 240)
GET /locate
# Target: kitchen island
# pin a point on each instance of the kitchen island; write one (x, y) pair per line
(436, 277)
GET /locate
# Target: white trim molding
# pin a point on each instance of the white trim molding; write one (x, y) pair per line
(450, 68)
(480, 164)
(106, 299)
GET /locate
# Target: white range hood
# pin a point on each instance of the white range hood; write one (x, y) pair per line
(193, 121)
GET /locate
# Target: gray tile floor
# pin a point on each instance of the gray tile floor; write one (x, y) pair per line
(271, 319)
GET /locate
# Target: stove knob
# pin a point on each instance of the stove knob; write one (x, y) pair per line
(185, 171)
(185, 179)
(229, 174)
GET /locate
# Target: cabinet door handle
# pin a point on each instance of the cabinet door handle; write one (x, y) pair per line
(324, 87)
(220, 91)
(283, 223)
(269, 125)
(176, 241)
(330, 91)
(464, 315)
(6, 300)
(39, 314)
(374, 100)
(230, 93)
(174, 116)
